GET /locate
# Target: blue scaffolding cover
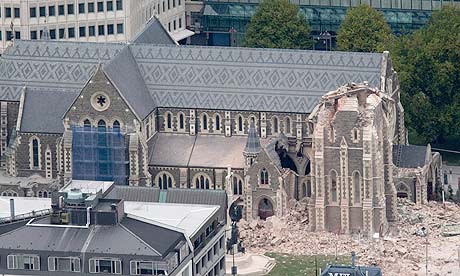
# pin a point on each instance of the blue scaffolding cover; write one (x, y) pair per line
(98, 154)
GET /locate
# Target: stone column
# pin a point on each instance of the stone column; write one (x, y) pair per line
(263, 125)
(3, 127)
(248, 198)
(228, 124)
(183, 175)
(344, 188)
(368, 182)
(48, 163)
(133, 160)
(218, 182)
(192, 122)
(318, 158)
(67, 139)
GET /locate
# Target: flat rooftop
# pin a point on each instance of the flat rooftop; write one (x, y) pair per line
(190, 218)
(23, 205)
(88, 186)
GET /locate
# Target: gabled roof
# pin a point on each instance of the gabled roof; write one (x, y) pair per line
(194, 151)
(154, 33)
(129, 237)
(42, 110)
(225, 78)
(160, 238)
(124, 73)
(232, 78)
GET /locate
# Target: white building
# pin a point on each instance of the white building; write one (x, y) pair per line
(87, 20)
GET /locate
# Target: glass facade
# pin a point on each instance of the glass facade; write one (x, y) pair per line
(221, 16)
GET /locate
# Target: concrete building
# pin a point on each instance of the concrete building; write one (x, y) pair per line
(253, 122)
(87, 20)
(120, 237)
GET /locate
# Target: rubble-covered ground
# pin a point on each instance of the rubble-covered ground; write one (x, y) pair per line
(399, 252)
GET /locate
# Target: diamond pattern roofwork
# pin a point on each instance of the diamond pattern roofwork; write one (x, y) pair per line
(249, 79)
(50, 65)
(192, 76)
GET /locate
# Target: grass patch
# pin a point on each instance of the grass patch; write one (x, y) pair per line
(291, 265)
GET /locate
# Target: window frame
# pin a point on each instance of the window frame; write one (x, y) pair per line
(15, 263)
(94, 265)
(74, 264)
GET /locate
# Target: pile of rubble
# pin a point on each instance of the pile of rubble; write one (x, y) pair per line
(402, 250)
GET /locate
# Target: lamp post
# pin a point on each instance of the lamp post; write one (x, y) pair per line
(232, 32)
(425, 232)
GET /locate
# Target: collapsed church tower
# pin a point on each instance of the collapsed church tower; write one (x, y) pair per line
(352, 160)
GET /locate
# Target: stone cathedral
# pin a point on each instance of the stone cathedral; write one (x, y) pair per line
(266, 125)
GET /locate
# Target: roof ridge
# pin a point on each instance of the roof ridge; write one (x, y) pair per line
(139, 239)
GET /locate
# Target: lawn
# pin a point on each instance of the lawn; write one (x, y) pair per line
(291, 265)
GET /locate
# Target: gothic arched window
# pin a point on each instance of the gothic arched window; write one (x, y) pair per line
(275, 126)
(202, 181)
(181, 121)
(333, 183)
(35, 152)
(217, 122)
(116, 125)
(264, 177)
(357, 187)
(101, 125)
(165, 180)
(240, 123)
(287, 125)
(205, 122)
(237, 186)
(86, 125)
(169, 120)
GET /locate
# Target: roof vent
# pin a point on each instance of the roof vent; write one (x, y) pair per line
(75, 197)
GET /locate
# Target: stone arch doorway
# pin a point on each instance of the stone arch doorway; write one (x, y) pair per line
(265, 208)
(403, 191)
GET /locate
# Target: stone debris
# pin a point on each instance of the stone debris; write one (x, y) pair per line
(401, 251)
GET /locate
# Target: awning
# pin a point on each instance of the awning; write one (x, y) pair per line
(182, 34)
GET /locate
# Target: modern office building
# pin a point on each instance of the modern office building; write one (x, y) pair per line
(223, 22)
(87, 20)
(90, 229)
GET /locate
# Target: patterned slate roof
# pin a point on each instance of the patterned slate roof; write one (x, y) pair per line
(124, 73)
(192, 76)
(409, 156)
(154, 33)
(249, 79)
(50, 65)
(43, 110)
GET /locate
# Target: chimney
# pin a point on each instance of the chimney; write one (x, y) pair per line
(12, 208)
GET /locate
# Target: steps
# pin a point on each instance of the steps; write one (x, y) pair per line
(250, 264)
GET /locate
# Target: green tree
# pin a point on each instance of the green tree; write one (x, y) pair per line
(364, 29)
(278, 24)
(428, 65)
